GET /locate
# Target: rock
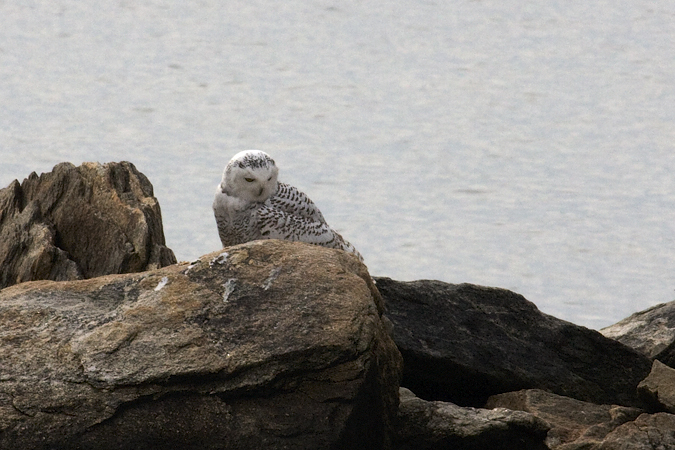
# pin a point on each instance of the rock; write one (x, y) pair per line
(577, 425)
(463, 343)
(574, 424)
(658, 389)
(80, 222)
(441, 425)
(647, 432)
(268, 344)
(651, 332)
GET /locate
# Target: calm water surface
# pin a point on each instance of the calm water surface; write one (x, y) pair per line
(527, 145)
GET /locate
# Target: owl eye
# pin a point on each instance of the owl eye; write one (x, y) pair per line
(250, 180)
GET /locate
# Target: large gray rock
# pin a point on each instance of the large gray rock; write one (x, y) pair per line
(463, 343)
(574, 424)
(269, 344)
(651, 332)
(445, 426)
(80, 222)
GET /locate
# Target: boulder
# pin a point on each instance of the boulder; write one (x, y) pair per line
(574, 424)
(80, 222)
(651, 332)
(463, 343)
(442, 425)
(268, 344)
(658, 389)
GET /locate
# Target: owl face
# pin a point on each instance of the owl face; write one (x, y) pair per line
(250, 175)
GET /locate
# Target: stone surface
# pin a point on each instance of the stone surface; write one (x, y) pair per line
(651, 332)
(658, 389)
(441, 425)
(647, 432)
(269, 344)
(574, 424)
(463, 343)
(80, 222)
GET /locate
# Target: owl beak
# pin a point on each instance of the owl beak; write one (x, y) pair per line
(261, 191)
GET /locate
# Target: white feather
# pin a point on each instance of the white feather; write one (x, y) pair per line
(251, 204)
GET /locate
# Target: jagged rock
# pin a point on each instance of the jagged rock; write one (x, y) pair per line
(80, 222)
(658, 389)
(268, 344)
(647, 432)
(574, 424)
(441, 426)
(651, 332)
(463, 343)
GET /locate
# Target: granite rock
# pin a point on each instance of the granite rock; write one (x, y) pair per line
(80, 222)
(463, 343)
(658, 389)
(573, 424)
(442, 425)
(651, 332)
(269, 344)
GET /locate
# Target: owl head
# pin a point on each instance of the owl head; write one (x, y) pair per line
(250, 175)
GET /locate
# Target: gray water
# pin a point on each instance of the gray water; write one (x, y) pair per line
(524, 145)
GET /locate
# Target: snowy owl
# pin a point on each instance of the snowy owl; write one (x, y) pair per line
(251, 204)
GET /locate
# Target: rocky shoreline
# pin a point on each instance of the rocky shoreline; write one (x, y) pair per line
(108, 343)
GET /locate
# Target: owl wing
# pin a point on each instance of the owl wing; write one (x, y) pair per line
(291, 215)
(290, 200)
(275, 223)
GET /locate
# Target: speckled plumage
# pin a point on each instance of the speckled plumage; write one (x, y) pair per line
(251, 204)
